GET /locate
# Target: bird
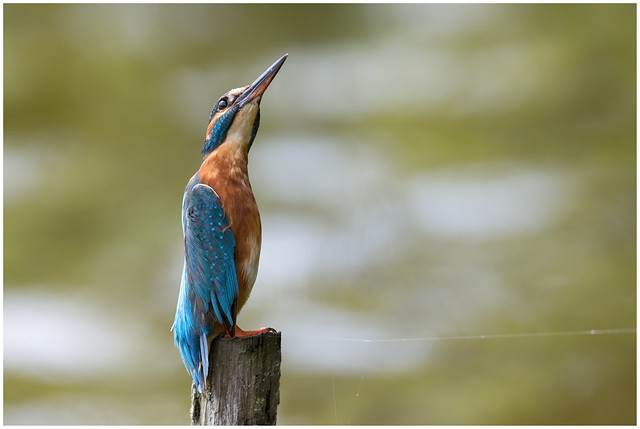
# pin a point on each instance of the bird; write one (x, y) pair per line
(221, 228)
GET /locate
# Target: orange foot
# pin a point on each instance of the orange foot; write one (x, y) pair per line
(241, 334)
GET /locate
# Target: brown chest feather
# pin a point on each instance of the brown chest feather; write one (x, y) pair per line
(227, 175)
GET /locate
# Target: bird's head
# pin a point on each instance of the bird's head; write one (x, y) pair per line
(236, 115)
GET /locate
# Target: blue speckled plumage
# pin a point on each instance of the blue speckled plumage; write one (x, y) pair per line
(209, 280)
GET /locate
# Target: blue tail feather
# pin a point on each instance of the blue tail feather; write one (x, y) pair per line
(190, 336)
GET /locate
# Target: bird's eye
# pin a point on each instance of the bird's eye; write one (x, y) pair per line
(223, 103)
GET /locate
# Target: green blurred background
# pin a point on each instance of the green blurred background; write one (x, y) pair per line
(422, 171)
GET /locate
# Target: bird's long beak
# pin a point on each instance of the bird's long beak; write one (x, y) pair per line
(260, 84)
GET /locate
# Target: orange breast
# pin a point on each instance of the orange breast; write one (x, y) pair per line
(226, 172)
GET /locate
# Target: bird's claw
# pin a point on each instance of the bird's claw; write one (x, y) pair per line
(241, 334)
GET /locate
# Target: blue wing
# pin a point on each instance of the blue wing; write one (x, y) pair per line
(209, 288)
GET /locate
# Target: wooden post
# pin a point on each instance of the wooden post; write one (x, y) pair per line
(243, 387)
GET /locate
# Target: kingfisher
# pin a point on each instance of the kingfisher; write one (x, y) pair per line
(221, 228)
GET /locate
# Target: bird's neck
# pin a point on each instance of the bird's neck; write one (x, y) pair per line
(227, 164)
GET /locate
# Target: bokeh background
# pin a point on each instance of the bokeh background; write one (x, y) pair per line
(423, 171)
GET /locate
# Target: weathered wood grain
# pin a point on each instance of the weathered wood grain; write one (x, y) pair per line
(243, 387)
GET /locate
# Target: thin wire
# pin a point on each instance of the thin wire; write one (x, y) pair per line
(477, 337)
